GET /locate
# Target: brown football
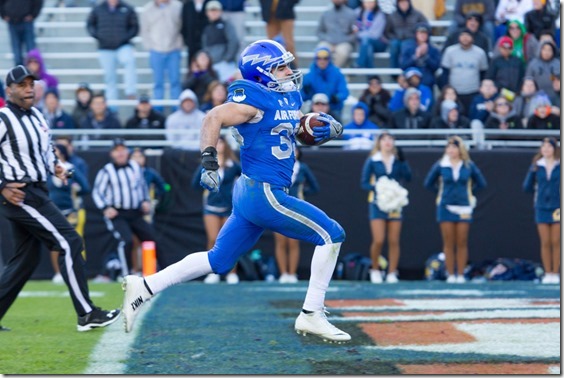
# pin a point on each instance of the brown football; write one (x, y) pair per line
(305, 131)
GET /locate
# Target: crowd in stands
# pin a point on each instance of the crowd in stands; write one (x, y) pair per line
(498, 68)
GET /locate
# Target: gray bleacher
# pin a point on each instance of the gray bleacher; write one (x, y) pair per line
(70, 53)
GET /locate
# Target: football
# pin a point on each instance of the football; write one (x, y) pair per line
(305, 131)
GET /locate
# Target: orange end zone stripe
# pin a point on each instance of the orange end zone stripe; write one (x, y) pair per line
(363, 302)
(415, 333)
(482, 368)
(391, 313)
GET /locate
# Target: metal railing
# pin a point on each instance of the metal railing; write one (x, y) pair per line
(474, 138)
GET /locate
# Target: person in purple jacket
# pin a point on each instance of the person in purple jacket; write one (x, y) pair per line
(35, 64)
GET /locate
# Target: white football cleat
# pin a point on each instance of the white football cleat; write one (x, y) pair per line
(212, 278)
(135, 296)
(316, 323)
(392, 277)
(375, 276)
(232, 279)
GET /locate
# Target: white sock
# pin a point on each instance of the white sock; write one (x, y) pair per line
(322, 266)
(192, 266)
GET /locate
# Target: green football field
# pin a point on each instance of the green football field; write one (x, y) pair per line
(411, 328)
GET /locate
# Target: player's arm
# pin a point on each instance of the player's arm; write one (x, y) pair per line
(228, 114)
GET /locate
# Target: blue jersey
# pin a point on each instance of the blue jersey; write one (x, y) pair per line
(267, 141)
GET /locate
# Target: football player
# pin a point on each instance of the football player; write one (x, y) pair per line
(264, 107)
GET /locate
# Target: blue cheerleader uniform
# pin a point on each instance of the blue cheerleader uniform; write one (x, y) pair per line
(546, 189)
(455, 187)
(373, 169)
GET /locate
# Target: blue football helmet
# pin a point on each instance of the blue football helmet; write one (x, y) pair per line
(259, 60)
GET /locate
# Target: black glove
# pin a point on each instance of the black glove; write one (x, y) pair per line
(210, 177)
(209, 159)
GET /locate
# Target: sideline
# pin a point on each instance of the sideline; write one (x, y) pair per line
(110, 354)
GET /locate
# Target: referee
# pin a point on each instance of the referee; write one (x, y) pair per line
(121, 192)
(26, 158)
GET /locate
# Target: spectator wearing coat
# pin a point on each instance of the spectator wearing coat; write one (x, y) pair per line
(35, 64)
(55, 116)
(219, 40)
(450, 117)
(114, 23)
(545, 68)
(485, 9)
(194, 21)
(418, 52)
(337, 31)
(371, 23)
(325, 77)
(377, 99)
(399, 28)
(363, 136)
(20, 15)
(411, 116)
(507, 71)
(161, 22)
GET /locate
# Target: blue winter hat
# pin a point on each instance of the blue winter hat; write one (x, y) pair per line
(412, 71)
(322, 52)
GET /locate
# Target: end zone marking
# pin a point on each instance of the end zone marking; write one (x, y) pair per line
(109, 356)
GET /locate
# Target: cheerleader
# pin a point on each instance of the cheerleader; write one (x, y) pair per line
(455, 178)
(287, 250)
(385, 163)
(218, 206)
(543, 180)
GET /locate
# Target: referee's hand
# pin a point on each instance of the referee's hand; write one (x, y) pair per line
(13, 194)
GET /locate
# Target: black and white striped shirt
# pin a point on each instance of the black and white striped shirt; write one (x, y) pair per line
(120, 187)
(26, 150)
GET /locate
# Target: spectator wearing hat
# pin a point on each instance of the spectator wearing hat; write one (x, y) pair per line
(219, 40)
(20, 15)
(279, 17)
(464, 65)
(525, 45)
(413, 77)
(545, 68)
(377, 98)
(121, 194)
(411, 116)
(337, 31)
(484, 9)
(364, 129)
(189, 118)
(146, 118)
(194, 21)
(82, 96)
(543, 117)
(473, 24)
(99, 117)
(418, 52)
(399, 28)
(114, 23)
(320, 103)
(507, 71)
(161, 22)
(371, 23)
(55, 116)
(35, 64)
(325, 77)
(450, 117)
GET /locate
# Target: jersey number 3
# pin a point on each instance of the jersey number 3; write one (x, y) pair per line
(279, 152)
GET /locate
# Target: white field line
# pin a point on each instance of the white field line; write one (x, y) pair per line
(53, 294)
(110, 355)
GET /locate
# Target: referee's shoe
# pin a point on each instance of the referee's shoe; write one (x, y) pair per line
(97, 318)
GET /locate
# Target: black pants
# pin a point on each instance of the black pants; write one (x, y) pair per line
(40, 221)
(122, 228)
